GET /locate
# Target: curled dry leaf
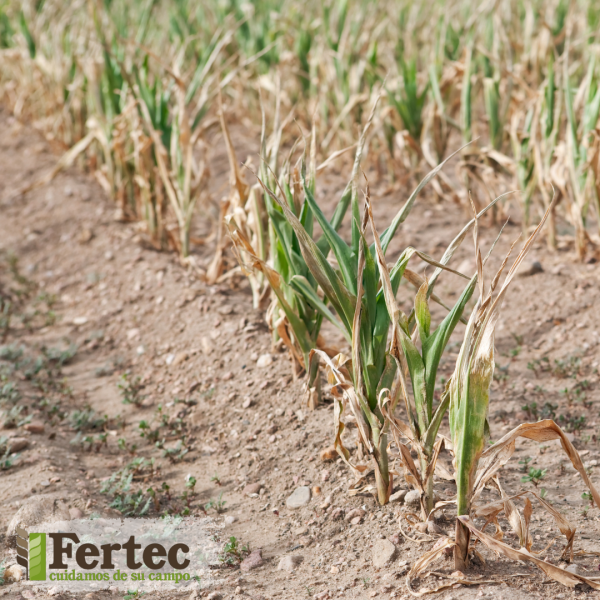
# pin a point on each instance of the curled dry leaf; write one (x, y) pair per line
(428, 558)
(492, 510)
(523, 555)
(496, 456)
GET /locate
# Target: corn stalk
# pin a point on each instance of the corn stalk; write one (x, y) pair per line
(470, 384)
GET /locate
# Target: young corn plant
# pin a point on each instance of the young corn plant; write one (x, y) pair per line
(522, 142)
(469, 388)
(297, 313)
(545, 130)
(362, 292)
(579, 129)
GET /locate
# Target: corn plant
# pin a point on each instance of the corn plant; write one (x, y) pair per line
(545, 131)
(297, 315)
(409, 101)
(579, 128)
(522, 142)
(469, 387)
(364, 308)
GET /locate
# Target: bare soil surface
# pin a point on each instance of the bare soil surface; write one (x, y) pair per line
(91, 303)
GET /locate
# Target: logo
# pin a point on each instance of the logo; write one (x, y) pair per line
(31, 554)
(97, 553)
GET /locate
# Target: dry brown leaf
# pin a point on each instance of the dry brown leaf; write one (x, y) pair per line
(496, 456)
(552, 571)
(429, 557)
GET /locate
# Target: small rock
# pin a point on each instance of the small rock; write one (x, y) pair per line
(35, 427)
(85, 235)
(433, 528)
(326, 503)
(17, 444)
(300, 497)
(396, 539)
(53, 591)
(354, 514)
(573, 568)
(356, 520)
(334, 569)
(531, 269)
(252, 561)
(180, 357)
(133, 333)
(251, 488)
(413, 498)
(76, 513)
(337, 514)
(383, 552)
(398, 496)
(264, 360)
(322, 596)
(80, 320)
(38, 509)
(229, 520)
(14, 573)
(91, 596)
(316, 490)
(325, 475)
(329, 453)
(45, 483)
(289, 563)
(215, 596)
(247, 403)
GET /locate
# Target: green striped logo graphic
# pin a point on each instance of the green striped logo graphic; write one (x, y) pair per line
(37, 556)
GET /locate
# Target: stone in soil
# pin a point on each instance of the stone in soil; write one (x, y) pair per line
(355, 513)
(17, 444)
(398, 496)
(38, 509)
(35, 427)
(337, 513)
(214, 596)
(290, 562)
(412, 498)
(383, 553)
(251, 488)
(264, 361)
(76, 513)
(300, 497)
(14, 573)
(328, 454)
(252, 561)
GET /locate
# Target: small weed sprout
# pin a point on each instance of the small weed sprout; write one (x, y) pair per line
(131, 388)
(534, 476)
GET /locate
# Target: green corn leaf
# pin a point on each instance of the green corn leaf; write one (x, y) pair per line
(422, 314)
(341, 250)
(465, 100)
(302, 286)
(492, 108)
(339, 296)
(390, 232)
(27, 35)
(433, 348)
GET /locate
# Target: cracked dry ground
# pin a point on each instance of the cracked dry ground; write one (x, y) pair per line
(95, 304)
